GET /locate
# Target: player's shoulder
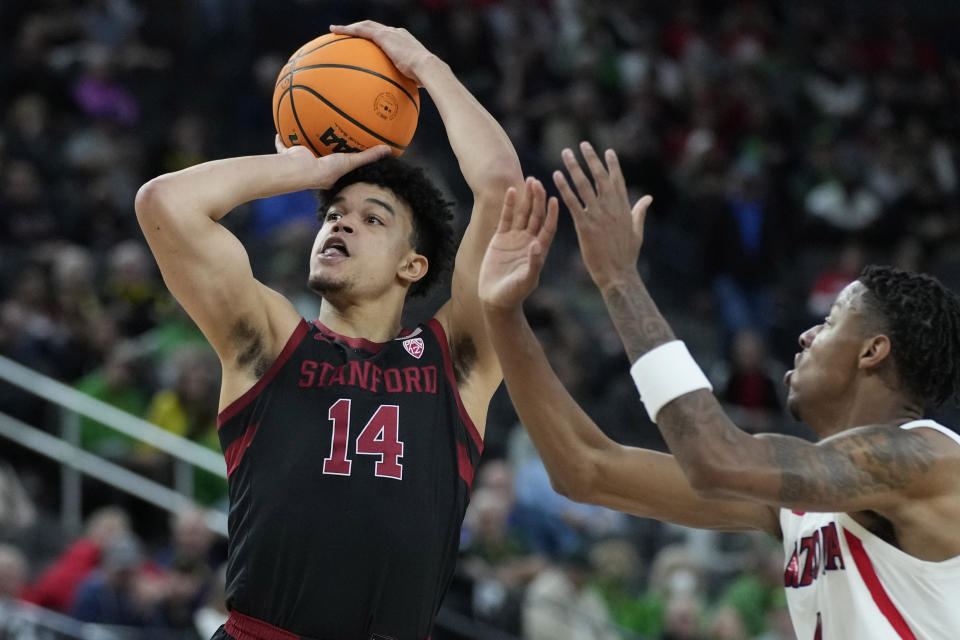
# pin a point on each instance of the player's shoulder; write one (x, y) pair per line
(936, 431)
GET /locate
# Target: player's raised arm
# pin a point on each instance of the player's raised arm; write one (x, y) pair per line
(583, 463)
(875, 468)
(489, 165)
(205, 266)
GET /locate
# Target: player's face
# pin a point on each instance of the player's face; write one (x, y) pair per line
(364, 238)
(826, 365)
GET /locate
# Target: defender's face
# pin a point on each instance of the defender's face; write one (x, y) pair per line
(827, 363)
(364, 236)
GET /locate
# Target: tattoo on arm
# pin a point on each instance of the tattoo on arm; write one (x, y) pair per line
(873, 460)
(686, 417)
(637, 319)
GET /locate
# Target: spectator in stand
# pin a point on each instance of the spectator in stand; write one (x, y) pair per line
(828, 283)
(495, 559)
(562, 604)
(14, 571)
(184, 585)
(538, 530)
(55, 587)
(17, 511)
(187, 407)
(757, 591)
(841, 204)
(726, 623)
(213, 611)
(750, 387)
(114, 594)
(745, 246)
(117, 383)
(673, 603)
(133, 290)
(190, 538)
(682, 618)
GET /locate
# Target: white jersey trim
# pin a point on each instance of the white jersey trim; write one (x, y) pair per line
(932, 424)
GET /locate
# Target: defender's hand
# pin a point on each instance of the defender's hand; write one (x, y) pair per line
(324, 172)
(516, 253)
(610, 232)
(406, 52)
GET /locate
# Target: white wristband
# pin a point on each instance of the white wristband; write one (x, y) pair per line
(666, 373)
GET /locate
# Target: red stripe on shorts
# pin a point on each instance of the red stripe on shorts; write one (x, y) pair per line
(244, 627)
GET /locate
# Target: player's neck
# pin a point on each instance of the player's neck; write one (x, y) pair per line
(864, 408)
(374, 320)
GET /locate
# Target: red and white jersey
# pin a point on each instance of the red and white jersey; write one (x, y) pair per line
(845, 583)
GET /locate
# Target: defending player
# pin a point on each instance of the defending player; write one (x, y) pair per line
(350, 443)
(868, 515)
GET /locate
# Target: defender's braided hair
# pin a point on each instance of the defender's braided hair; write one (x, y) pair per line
(922, 318)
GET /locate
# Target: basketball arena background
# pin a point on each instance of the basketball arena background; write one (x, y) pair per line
(786, 145)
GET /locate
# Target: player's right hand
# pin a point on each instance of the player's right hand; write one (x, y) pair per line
(406, 52)
(518, 249)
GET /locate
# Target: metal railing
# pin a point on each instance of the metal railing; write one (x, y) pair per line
(76, 462)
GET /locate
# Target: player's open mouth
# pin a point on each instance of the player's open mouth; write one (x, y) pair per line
(334, 247)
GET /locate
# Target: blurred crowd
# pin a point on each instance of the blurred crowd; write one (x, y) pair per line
(786, 146)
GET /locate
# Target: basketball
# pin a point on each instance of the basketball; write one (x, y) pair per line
(341, 93)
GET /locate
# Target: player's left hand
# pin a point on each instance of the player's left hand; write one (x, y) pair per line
(323, 172)
(511, 266)
(406, 52)
(609, 230)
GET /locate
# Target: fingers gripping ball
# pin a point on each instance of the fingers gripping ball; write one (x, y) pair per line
(342, 93)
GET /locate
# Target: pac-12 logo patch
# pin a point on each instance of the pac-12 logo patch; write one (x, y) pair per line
(414, 347)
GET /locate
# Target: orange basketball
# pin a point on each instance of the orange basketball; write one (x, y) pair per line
(342, 93)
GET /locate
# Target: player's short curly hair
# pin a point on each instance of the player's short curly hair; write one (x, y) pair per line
(922, 319)
(433, 234)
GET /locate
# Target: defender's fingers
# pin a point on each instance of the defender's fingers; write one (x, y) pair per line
(616, 173)
(549, 228)
(569, 197)
(521, 215)
(278, 144)
(639, 214)
(597, 169)
(538, 207)
(506, 213)
(579, 179)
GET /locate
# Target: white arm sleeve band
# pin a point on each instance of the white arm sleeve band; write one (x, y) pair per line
(666, 373)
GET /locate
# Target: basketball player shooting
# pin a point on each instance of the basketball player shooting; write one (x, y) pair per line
(868, 515)
(350, 443)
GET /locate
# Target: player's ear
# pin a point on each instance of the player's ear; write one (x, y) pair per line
(874, 351)
(412, 267)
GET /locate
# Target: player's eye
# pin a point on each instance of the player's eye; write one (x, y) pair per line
(332, 215)
(374, 220)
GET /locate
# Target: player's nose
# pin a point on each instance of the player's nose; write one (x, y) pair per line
(806, 338)
(342, 226)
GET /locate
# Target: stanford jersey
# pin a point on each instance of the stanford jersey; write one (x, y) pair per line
(349, 465)
(845, 583)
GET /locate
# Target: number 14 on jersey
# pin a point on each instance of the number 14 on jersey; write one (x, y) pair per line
(380, 437)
